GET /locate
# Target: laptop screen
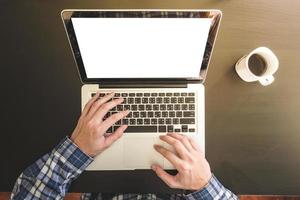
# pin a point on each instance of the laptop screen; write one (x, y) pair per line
(110, 45)
(142, 47)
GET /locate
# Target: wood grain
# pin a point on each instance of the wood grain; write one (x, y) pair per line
(268, 197)
(69, 196)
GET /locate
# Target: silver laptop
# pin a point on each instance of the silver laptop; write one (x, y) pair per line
(157, 61)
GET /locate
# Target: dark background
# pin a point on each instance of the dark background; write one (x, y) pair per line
(252, 132)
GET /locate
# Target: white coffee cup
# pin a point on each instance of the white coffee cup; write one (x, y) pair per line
(259, 65)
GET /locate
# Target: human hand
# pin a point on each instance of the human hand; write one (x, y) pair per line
(193, 169)
(89, 132)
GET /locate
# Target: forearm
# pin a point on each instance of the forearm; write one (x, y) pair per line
(50, 176)
(214, 190)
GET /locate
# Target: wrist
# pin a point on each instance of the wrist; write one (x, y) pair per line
(199, 189)
(204, 182)
(71, 156)
(82, 148)
(211, 190)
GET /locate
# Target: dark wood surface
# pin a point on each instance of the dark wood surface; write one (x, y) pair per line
(252, 132)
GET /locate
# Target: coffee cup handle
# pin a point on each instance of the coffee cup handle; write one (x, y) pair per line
(266, 80)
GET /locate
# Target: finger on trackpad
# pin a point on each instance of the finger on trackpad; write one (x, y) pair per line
(140, 154)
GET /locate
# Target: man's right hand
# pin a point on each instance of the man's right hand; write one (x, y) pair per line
(89, 132)
(193, 169)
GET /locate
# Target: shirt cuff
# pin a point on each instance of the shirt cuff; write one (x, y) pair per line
(70, 155)
(210, 191)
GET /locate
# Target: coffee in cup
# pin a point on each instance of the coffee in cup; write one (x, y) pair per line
(259, 65)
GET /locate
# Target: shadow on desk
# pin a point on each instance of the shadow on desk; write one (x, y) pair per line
(76, 196)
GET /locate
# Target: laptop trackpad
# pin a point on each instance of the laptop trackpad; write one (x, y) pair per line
(140, 154)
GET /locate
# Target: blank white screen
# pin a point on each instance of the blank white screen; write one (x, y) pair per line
(141, 47)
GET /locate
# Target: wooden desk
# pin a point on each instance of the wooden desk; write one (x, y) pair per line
(252, 132)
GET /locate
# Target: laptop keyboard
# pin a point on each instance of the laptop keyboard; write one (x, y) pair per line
(155, 112)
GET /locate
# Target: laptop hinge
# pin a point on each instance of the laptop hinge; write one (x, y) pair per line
(163, 84)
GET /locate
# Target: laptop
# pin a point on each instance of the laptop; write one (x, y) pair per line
(157, 60)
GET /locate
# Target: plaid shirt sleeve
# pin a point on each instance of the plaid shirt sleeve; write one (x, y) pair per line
(50, 176)
(213, 190)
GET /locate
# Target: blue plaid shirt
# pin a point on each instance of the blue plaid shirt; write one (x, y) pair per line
(50, 177)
